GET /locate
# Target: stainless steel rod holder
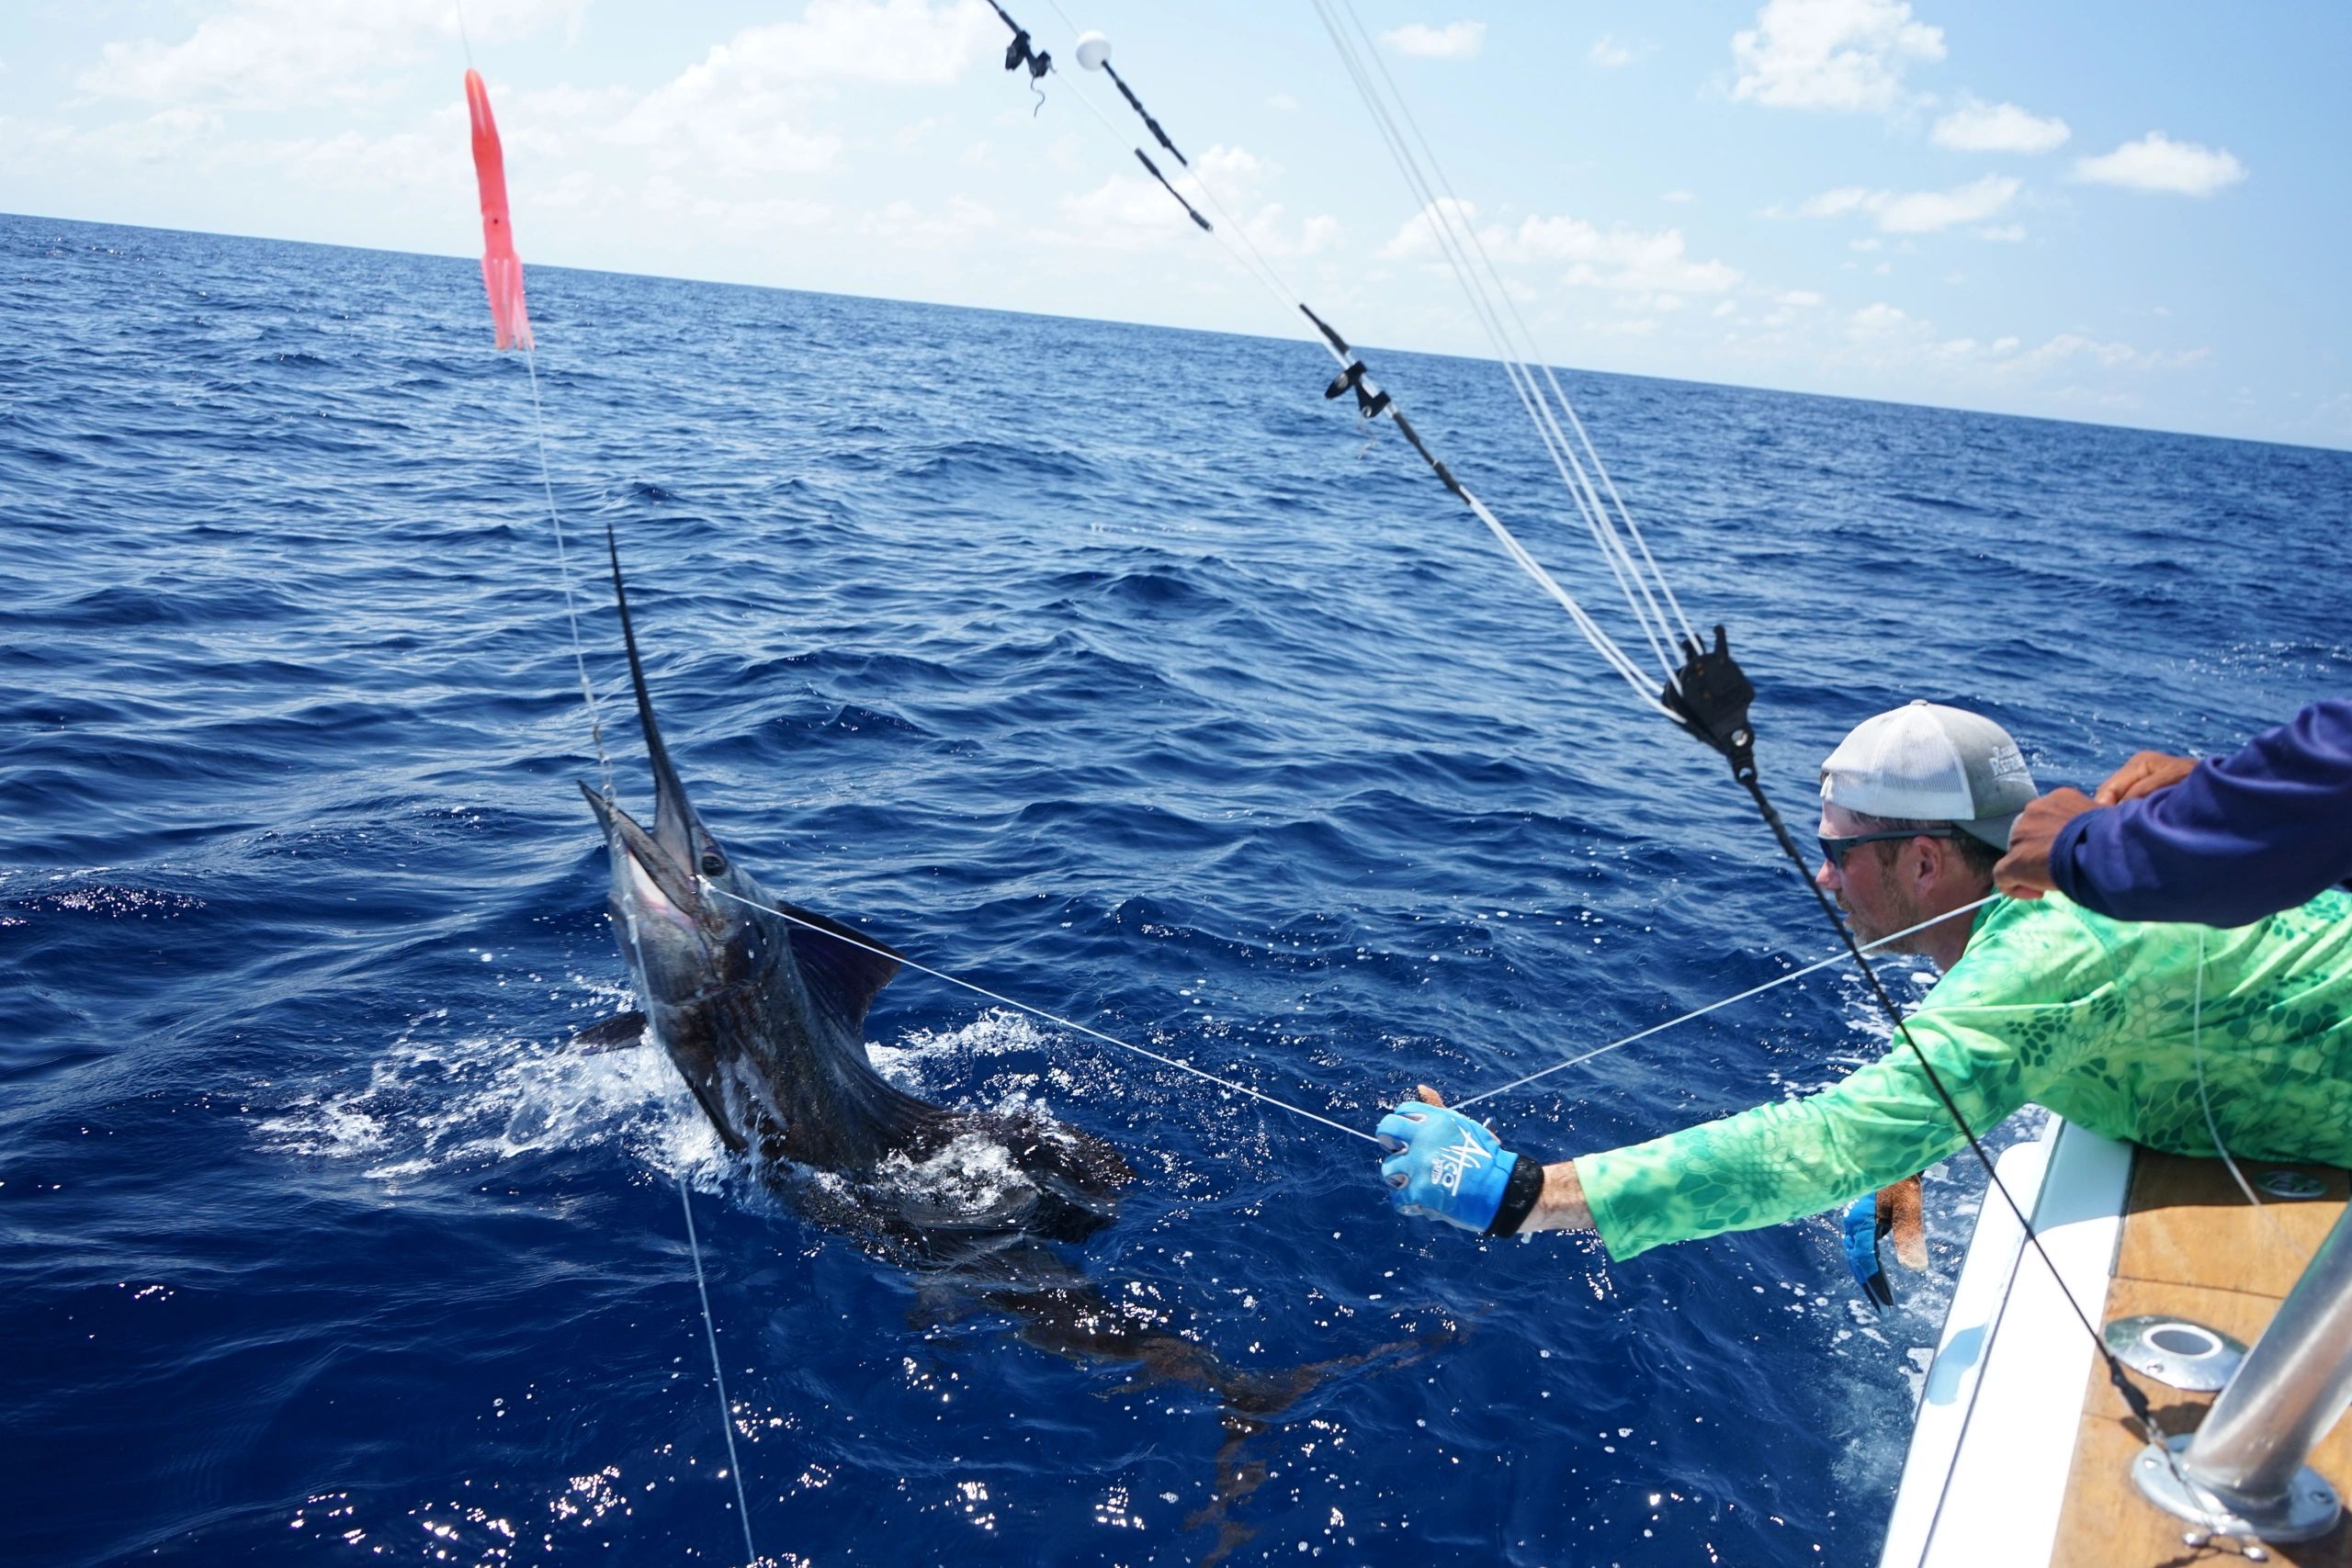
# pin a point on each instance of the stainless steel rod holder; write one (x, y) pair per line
(2245, 1468)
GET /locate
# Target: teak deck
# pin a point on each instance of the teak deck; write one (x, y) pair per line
(2192, 1246)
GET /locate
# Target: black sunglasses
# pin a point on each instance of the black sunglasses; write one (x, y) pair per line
(1834, 850)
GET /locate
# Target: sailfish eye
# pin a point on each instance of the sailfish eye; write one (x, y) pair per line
(713, 864)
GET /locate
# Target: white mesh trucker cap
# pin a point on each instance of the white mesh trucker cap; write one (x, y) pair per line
(1924, 762)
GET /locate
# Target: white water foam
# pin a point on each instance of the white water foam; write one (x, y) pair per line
(444, 1097)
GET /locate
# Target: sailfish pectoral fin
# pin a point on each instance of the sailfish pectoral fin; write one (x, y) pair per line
(619, 1033)
(843, 969)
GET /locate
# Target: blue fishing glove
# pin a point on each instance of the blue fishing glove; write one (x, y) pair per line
(1443, 1166)
(1863, 1231)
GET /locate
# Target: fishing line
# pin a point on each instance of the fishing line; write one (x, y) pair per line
(1255, 264)
(726, 1410)
(604, 766)
(2205, 1098)
(1457, 247)
(546, 489)
(1839, 957)
(1371, 402)
(1040, 1013)
(1527, 337)
(1441, 220)
(563, 564)
(1794, 974)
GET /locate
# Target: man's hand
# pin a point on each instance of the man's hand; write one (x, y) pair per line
(1443, 1166)
(2146, 772)
(2024, 871)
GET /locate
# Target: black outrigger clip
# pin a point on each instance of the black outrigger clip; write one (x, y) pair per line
(1018, 53)
(1711, 695)
(1368, 403)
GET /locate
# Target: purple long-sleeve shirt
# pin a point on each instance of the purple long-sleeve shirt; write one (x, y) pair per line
(2263, 830)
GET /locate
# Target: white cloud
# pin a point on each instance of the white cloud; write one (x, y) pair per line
(1677, 198)
(1131, 213)
(1455, 40)
(1931, 211)
(2108, 355)
(1284, 102)
(1831, 54)
(276, 51)
(1882, 321)
(902, 223)
(23, 136)
(1884, 335)
(1647, 260)
(1919, 211)
(349, 161)
(1609, 52)
(194, 143)
(1629, 326)
(1239, 179)
(2157, 163)
(169, 136)
(1999, 128)
(906, 43)
(1125, 212)
(1800, 297)
(667, 194)
(744, 107)
(578, 189)
(2002, 233)
(725, 132)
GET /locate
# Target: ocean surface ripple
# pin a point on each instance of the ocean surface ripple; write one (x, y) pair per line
(1102, 665)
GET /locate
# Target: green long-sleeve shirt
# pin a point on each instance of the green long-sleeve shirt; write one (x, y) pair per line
(2098, 1019)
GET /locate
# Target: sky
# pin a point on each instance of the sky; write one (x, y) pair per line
(2129, 214)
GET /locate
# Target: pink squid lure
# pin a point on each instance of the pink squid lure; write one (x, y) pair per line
(501, 269)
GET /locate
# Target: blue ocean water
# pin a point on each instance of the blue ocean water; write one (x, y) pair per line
(1102, 665)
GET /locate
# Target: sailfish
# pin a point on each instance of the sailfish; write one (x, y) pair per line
(761, 1006)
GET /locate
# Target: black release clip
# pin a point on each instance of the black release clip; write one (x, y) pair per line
(1018, 53)
(1711, 694)
(1368, 403)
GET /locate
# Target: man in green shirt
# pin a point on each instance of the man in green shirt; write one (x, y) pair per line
(2167, 1035)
